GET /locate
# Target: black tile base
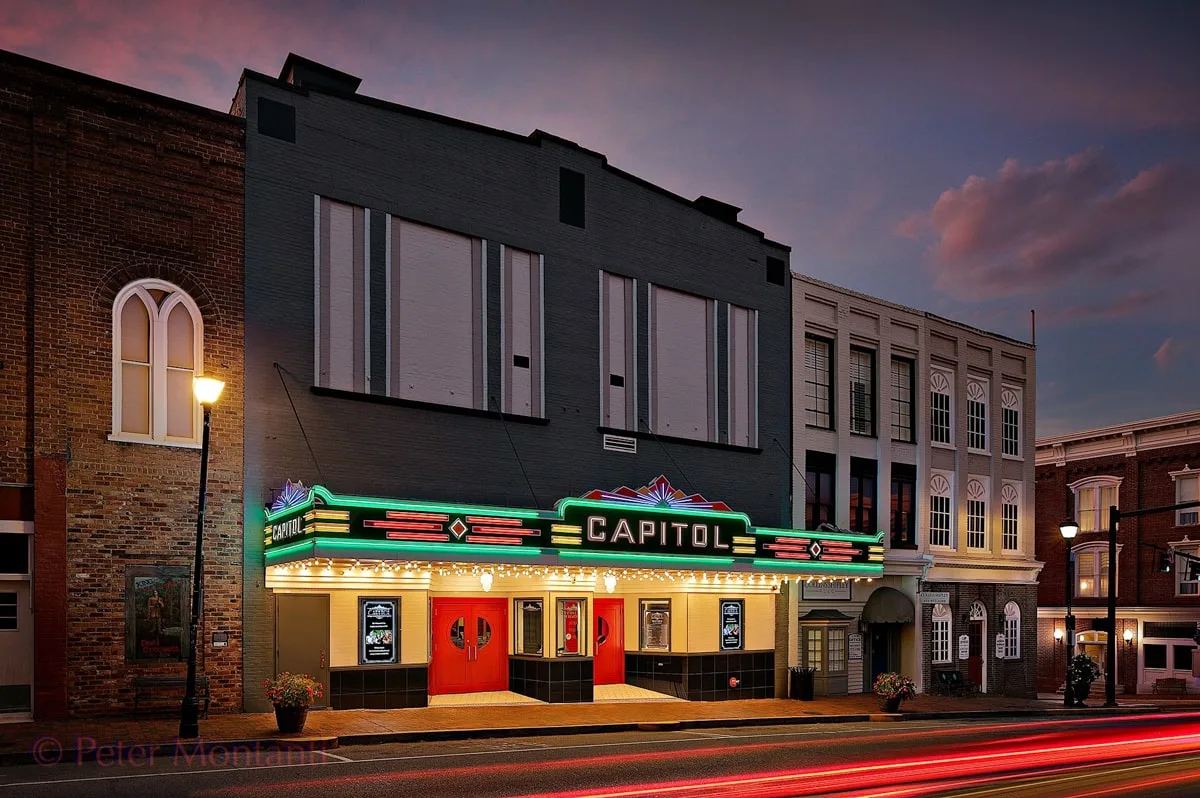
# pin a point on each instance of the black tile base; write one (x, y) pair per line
(399, 687)
(704, 677)
(555, 681)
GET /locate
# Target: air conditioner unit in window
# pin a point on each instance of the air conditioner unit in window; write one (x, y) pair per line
(620, 443)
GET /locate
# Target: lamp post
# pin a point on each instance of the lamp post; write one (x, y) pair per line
(1069, 529)
(207, 390)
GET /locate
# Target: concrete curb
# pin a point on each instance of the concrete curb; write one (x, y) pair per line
(442, 735)
(48, 751)
(310, 744)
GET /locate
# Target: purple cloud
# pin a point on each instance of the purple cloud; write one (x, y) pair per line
(1033, 228)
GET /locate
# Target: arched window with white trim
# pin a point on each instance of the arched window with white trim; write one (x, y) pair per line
(1012, 630)
(1093, 498)
(158, 341)
(941, 634)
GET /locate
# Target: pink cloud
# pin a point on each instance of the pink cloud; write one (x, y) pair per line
(1169, 352)
(1121, 306)
(1033, 228)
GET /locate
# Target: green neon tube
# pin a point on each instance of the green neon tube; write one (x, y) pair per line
(660, 559)
(822, 566)
(284, 551)
(335, 500)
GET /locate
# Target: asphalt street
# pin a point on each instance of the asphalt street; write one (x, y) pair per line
(1131, 755)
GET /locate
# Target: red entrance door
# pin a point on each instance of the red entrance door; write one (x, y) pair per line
(975, 654)
(470, 646)
(610, 641)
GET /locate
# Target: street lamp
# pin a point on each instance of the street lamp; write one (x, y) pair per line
(1069, 529)
(206, 390)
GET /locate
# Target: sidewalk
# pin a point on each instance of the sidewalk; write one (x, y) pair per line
(79, 738)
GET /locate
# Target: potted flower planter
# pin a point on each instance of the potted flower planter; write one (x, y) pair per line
(291, 720)
(893, 688)
(292, 695)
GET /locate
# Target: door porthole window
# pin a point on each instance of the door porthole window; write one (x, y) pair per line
(601, 631)
(483, 632)
(458, 633)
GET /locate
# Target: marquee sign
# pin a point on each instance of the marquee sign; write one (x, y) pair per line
(656, 524)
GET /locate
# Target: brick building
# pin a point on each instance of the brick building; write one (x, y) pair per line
(121, 250)
(1137, 465)
(918, 427)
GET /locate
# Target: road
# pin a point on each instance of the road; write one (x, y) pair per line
(1129, 755)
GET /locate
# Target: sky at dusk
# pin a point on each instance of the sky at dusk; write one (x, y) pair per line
(974, 159)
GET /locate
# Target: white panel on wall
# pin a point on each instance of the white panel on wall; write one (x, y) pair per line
(617, 372)
(342, 306)
(433, 321)
(519, 357)
(682, 378)
(743, 370)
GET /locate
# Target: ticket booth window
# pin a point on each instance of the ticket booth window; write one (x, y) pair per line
(530, 625)
(571, 627)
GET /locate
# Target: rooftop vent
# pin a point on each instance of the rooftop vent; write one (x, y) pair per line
(620, 443)
(300, 71)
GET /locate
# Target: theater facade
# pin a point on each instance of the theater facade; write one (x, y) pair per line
(613, 594)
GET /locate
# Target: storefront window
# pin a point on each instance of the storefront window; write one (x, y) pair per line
(529, 626)
(656, 625)
(814, 650)
(570, 626)
(837, 650)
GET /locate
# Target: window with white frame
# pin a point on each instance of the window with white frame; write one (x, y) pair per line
(1010, 428)
(862, 391)
(976, 514)
(522, 371)
(1185, 562)
(939, 511)
(1091, 569)
(157, 349)
(1012, 631)
(940, 408)
(1187, 489)
(902, 404)
(1010, 501)
(818, 384)
(1093, 498)
(941, 634)
(618, 351)
(977, 416)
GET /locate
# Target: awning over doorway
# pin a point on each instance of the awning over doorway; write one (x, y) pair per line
(888, 605)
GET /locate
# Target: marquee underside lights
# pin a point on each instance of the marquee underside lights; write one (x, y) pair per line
(655, 526)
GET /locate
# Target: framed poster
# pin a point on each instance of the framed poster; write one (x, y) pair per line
(964, 646)
(832, 590)
(732, 612)
(1001, 641)
(656, 625)
(378, 631)
(156, 612)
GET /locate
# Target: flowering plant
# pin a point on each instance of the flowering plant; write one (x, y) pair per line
(293, 690)
(894, 685)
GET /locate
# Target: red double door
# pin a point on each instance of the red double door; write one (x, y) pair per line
(609, 661)
(470, 646)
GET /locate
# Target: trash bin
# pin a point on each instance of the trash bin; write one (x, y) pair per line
(800, 684)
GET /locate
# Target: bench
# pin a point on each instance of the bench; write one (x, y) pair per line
(951, 683)
(1170, 686)
(161, 690)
